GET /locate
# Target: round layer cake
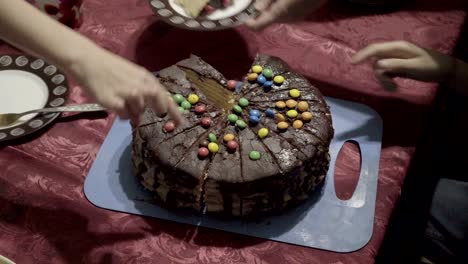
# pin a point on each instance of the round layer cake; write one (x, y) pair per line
(249, 147)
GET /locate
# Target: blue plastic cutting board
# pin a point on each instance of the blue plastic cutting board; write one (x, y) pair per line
(323, 222)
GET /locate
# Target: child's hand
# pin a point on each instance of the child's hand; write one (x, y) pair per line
(403, 59)
(272, 11)
(122, 86)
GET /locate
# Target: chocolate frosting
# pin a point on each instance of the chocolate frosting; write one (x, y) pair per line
(293, 162)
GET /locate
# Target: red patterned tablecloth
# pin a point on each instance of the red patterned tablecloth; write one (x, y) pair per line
(45, 218)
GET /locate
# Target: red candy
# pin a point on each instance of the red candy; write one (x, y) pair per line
(232, 85)
(169, 126)
(209, 9)
(203, 152)
(232, 145)
(206, 122)
(200, 109)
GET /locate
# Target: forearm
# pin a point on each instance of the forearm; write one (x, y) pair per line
(29, 29)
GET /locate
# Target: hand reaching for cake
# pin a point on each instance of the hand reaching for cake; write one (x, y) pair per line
(122, 86)
(117, 84)
(272, 11)
(403, 59)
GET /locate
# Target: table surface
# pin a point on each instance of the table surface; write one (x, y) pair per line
(45, 218)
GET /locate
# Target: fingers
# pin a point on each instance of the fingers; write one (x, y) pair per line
(116, 105)
(174, 113)
(262, 5)
(161, 103)
(135, 106)
(156, 95)
(270, 13)
(395, 49)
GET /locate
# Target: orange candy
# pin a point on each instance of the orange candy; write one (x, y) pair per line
(252, 77)
(280, 117)
(228, 137)
(298, 124)
(280, 104)
(303, 106)
(283, 125)
(291, 103)
(306, 116)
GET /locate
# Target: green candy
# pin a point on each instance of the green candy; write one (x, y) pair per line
(181, 109)
(186, 105)
(241, 124)
(212, 137)
(243, 102)
(268, 73)
(178, 98)
(254, 155)
(233, 118)
(237, 109)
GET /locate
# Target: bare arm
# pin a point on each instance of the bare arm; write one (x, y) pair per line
(114, 82)
(39, 35)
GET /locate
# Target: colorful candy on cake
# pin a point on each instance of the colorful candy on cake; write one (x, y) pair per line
(196, 8)
(250, 147)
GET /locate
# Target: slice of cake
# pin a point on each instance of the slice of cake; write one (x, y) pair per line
(196, 8)
(249, 147)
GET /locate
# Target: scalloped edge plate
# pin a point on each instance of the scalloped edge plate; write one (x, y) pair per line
(232, 16)
(32, 83)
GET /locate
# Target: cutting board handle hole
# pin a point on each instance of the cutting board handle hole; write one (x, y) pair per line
(347, 170)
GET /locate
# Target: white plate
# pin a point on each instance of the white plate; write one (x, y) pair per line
(28, 83)
(232, 16)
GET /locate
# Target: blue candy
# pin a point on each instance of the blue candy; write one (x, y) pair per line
(261, 79)
(254, 112)
(268, 84)
(254, 120)
(270, 113)
(239, 86)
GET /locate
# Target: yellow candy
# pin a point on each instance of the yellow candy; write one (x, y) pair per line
(298, 124)
(213, 147)
(280, 104)
(291, 103)
(228, 137)
(252, 77)
(294, 93)
(283, 125)
(280, 117)
(263, 132)
(278, 79)
(193, 98)
(257, 69)
(292, 113)
(306, 116)
(303, 106)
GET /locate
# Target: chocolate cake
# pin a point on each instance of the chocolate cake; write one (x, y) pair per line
(249, 147)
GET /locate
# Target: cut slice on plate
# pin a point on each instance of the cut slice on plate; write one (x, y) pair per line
(193, 8)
